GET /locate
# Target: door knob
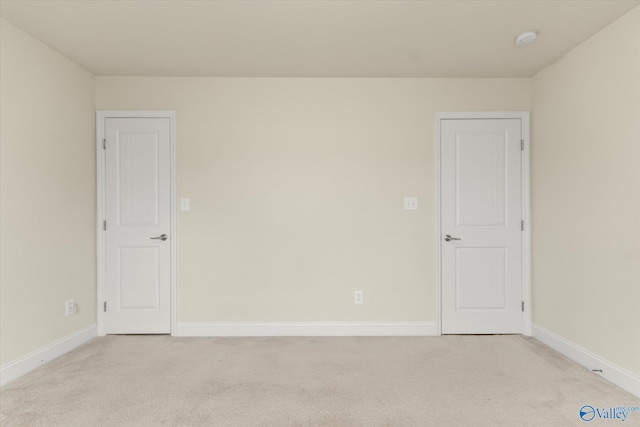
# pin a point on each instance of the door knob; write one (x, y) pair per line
(162, 237)
(448, 238)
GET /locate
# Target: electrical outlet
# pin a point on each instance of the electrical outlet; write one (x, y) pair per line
(358, 297)
(71, 308)
(410, 203)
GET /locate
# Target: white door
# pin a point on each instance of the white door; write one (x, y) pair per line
(138, 221)
(481, 214)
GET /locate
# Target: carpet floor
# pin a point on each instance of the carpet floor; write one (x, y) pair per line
(507, 380)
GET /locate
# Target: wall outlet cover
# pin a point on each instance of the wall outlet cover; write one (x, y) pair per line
(358, 297)
(411, 203)
(71, 308)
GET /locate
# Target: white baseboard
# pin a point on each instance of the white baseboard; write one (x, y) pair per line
(617, 375)
(31, 361)
(304, 329)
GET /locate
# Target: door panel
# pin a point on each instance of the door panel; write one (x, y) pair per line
(481, 175)
(480, 278)
(138, 178)
(138, 209)
(481, 206)
(139, 281)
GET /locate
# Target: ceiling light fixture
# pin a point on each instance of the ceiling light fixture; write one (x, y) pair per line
(526, 38)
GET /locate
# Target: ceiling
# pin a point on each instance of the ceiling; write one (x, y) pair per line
(301, 38)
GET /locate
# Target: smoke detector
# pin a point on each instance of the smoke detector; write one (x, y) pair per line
(526, 38)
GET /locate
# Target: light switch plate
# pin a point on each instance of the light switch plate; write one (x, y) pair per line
(184, 204)
(410, 203)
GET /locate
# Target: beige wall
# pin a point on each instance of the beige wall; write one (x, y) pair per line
(296, 189)
(586, 194)
(47, 194)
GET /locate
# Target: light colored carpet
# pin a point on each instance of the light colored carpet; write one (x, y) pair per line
(432, 381)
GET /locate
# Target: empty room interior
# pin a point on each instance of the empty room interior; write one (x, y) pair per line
(340, 213)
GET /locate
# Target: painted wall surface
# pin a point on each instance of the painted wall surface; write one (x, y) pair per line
(297, 187)
(47, 194)
(586, 194)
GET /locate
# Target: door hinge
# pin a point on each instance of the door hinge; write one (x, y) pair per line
(104, 225)
(522, 145)
(104, 143)
(105, 306)
(522, 305)
(522, 225)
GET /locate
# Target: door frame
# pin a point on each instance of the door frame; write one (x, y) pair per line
(101, 116)
(526, 208)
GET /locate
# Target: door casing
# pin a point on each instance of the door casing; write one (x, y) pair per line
(526, 208)
(101, 116)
